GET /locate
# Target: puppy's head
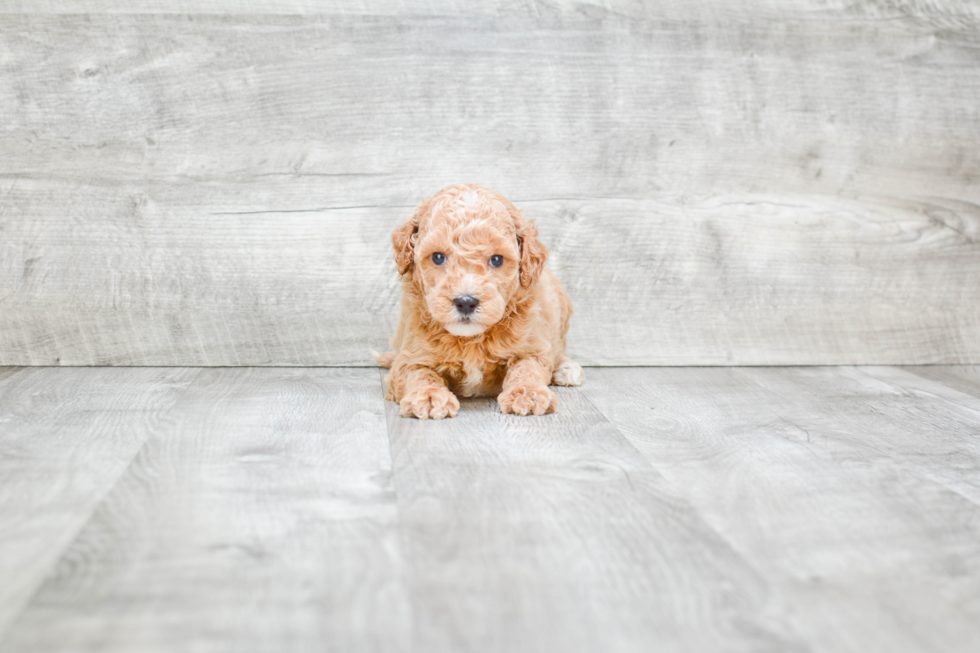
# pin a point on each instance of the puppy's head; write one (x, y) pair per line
(470, 252)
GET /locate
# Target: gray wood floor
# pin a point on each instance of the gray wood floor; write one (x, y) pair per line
(687, 509)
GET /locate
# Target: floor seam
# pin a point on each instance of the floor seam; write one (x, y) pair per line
(407, 566)
(95, 508)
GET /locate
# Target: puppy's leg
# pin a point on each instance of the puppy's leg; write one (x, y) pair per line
(525, 388)
(424, 394)
(567, 372)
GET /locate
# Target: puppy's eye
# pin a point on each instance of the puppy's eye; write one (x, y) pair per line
(496, 261)
(438, 258)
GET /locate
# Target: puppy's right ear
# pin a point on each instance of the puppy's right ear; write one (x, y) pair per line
(403, 238)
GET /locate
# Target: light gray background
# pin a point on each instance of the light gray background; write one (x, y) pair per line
(214, 183)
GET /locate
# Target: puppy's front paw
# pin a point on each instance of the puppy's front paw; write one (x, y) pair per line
(568, 373)
(433, 402)
(528, 400)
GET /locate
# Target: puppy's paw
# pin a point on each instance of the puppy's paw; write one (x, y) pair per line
(384, 359)
(431, 402)
(568, 373)
(528, 400)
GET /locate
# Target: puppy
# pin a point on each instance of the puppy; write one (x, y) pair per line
(481, 315)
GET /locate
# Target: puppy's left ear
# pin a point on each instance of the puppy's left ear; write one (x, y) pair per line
(403, 239)
(533, 252)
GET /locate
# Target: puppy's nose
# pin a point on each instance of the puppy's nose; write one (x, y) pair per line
(466, 304)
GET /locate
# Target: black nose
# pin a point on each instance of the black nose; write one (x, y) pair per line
(466, 304)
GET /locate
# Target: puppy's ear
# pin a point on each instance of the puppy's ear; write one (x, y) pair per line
(533, 252)
(403, 239)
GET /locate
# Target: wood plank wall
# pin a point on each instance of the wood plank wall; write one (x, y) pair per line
(214, 183)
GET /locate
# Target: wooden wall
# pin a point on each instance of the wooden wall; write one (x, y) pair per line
(214, 183)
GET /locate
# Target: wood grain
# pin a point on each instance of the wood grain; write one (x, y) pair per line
(263, 518)
(812, 475)
(553, 533)
(66, 436)
(964, 378)
(7, 372)
(797, 186)
(951, 13)
(679, 509)
(929, 430)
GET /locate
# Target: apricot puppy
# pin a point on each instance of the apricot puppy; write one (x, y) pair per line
(481, 315)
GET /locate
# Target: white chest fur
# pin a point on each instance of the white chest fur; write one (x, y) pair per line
(471, 383)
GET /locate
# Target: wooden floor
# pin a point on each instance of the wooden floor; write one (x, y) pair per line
(661, 509)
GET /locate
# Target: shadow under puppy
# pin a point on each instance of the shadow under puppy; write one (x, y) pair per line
(481, 315)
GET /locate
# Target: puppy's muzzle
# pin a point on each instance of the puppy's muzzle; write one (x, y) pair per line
(466, 304)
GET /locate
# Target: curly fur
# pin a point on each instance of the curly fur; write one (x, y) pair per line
(513, 346)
